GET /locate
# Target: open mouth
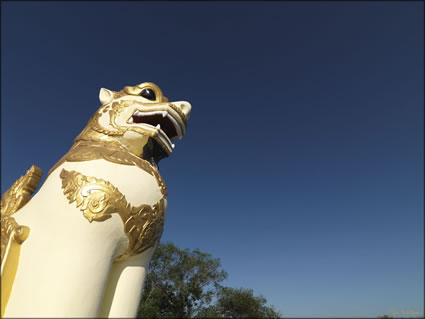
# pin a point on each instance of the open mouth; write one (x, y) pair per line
(161, 120)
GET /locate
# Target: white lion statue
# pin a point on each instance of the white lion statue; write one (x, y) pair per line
(80, 247)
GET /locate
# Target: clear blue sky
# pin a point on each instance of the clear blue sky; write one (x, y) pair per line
(302, 168)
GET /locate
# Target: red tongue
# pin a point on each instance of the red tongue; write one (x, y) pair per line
(166, 125)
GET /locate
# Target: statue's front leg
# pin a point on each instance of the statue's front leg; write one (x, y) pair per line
(124, 289)
(68, 277)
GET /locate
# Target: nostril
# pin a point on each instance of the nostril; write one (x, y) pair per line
(185, 107)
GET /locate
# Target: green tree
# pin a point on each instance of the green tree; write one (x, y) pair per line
(239, 303)
(180, 283)
(186, 284)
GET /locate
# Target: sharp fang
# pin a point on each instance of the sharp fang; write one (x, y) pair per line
(173, 146)
(164, 114)
(158, 126)
(130, 120)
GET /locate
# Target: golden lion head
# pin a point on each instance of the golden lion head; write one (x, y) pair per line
(140, 118)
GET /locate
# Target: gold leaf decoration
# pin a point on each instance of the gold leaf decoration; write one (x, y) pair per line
(99, 199)
(20, 192)
(12, 200)
(111, 152)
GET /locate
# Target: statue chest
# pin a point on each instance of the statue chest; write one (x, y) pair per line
(123, 204)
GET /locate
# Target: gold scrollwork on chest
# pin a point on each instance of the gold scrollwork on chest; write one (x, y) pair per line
(99, 199)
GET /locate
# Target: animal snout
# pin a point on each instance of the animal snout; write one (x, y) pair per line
(185, 107)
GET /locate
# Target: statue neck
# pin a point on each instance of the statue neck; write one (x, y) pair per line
(143, 147)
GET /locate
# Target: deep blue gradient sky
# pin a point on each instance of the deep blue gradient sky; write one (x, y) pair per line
(302, 168)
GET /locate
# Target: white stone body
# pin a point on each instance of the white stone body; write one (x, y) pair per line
(66, 266)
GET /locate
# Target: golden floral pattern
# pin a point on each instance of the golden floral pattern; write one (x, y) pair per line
(99, 199)
(12, 200)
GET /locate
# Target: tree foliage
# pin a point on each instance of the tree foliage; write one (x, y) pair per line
(186, 284)
(179, 283)
(239, 303)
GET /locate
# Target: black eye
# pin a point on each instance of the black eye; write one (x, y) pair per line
(148, 94)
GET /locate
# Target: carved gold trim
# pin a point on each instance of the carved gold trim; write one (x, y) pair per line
(20, 192)
(11, 230)
(99, 199)
(13, 234)
(94, 131)
(12, 200)
(136, 90)
(112, 152)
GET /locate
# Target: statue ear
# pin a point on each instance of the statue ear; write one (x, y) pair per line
(105, 96)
